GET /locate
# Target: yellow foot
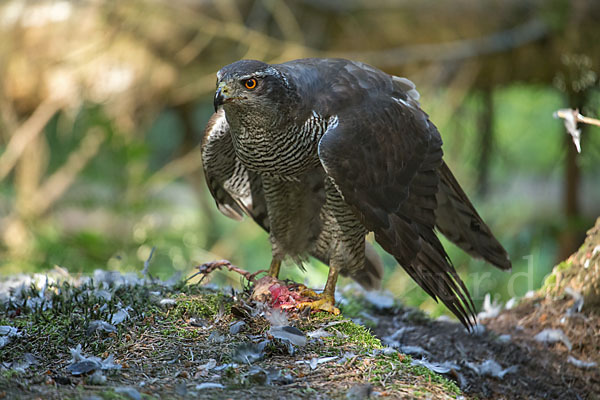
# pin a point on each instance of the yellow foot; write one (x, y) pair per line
(324, 303)
(306, 292)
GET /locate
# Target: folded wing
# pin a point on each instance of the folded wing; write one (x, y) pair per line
(235, 189)
(383, 156)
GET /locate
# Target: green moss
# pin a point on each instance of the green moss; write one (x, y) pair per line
(563, 266)
(387, 364)
(52, 330)
(7, 374)
(362, 341)
(200, 306)
(180, 332)
(351, 333)
(551, 280)
(358, 334)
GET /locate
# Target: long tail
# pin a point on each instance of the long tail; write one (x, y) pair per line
(458, 220)
(370, 276)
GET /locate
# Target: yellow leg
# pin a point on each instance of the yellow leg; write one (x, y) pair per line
(331, 281)
(326, 300)
(274, 268)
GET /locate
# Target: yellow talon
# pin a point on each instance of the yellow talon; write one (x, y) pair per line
(306, 292)
(324, 303)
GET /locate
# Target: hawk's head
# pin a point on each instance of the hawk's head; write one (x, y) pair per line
(251, 85)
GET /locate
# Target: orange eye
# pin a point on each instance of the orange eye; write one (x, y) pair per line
(250, 83)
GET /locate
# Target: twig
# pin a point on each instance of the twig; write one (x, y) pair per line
(193, 48)
(209, 267)
(572, 117)
(9, 122)
(564, 113)
(147, 263)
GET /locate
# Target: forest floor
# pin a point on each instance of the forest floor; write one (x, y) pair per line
(122, 337)
(533, 351)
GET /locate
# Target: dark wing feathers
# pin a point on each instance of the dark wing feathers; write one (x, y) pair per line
(235, 189)
(383, 156)
(216, 170)
(458, 220)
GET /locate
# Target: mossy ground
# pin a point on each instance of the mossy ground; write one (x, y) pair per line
(162, 348)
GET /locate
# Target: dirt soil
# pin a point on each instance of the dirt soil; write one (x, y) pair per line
(541, 370)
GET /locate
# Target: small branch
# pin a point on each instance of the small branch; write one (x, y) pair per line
(588, 120)
(147, 262)
(567, 112)
(206, 268)
(27, 133)
(57, 183)
(572, 117)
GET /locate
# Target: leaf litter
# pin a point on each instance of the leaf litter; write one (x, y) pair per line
(522, 351)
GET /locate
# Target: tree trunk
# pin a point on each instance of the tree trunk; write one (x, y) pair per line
(486, 141)
(572, 233)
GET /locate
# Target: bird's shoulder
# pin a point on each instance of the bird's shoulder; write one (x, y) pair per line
(330, 85)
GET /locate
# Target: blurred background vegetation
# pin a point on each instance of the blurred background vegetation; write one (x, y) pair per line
(103, 104)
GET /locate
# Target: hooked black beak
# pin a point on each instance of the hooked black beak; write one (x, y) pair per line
(219, 98)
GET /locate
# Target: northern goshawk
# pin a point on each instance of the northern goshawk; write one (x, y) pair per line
(319, 152)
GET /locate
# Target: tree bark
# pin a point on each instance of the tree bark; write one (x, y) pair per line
(486, 141)
(581, 272)
(571, 236)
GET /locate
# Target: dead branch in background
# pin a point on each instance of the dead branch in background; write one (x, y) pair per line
(177, 168)
(15, 232)
(56, 184)
(496, 42)
(25, 134)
